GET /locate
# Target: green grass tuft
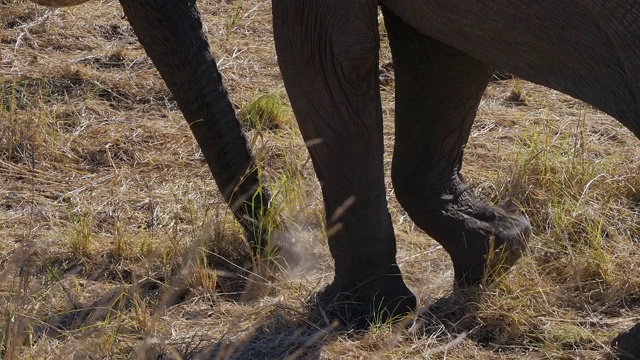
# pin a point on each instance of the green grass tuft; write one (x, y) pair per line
(266, 112)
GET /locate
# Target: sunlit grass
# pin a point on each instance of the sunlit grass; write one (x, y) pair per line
(265, 112)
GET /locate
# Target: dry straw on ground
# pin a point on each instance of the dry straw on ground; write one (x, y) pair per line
(114, 242)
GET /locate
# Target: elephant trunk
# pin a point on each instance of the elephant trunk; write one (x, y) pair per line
(58, 3)
(171, 33)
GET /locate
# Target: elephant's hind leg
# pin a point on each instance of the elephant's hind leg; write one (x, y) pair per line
(438, 90)
(328, 55)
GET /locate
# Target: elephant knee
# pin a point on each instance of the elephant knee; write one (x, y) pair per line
(406, 191)
(422, 197)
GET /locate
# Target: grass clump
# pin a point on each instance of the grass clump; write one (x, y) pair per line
(17, 131)
(266, 112)
(574, 187)
(569, 198)
(80, 236)
(516, 96)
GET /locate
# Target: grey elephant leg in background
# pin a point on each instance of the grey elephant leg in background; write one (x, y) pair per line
(438, 90)
(328, 55)
(171, 33)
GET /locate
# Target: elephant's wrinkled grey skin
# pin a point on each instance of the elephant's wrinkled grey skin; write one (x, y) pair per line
(335, 95)
(328, 55)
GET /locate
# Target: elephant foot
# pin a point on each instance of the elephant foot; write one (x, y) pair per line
(376, 301)
(483, 241)
(491, 241)
(626, 346)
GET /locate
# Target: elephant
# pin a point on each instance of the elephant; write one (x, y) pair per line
(444, 53)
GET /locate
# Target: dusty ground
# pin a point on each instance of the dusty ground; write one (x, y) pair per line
(114, 242)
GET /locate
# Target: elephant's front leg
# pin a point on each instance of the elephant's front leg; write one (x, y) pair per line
(438, 90)
(328, 55)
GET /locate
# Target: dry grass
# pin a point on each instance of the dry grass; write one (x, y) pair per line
(114, 242)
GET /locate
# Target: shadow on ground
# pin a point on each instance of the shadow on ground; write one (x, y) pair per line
(281, 335)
